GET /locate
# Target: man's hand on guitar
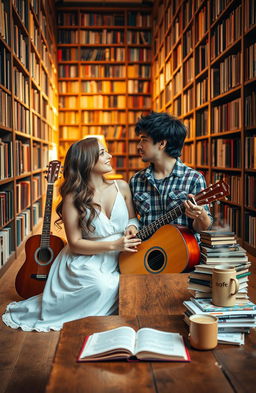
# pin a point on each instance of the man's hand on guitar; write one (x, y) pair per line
(192, 210)
(127, 243)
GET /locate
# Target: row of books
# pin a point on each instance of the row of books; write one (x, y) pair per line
(4, 22)
(226, 117)
(5, 105)
(108, 131)
(20, 117)
(111, 117)
(23, 163)
(227, 75)
(226, 32)
(23, 226)
(220, 247)
(5, 61)
(250, 195)
(102, 86)
(201, 92)
(250, 103)
(20, 45)
(250, 152)
(102, 54)
(5, 245)
(188, 71)
(6, 207)
(201, 123)
(226, 153)
(116, 147)
(235, 184)
(250, 228)
(104, 71)
(6, 162)
(134, 18)
(23, 229)
(250, 59)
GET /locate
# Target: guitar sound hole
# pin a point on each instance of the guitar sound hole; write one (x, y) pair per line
(43, 255)
(155, 260)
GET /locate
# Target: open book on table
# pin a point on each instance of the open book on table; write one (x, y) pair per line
(125, 343)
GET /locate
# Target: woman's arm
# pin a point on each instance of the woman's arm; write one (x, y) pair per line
(133, 224)
(78, 245)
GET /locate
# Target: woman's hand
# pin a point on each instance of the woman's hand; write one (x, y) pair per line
(127, 243)
(131, 230)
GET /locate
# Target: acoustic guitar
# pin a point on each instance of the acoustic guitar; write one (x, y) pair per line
(41, 250)
(167, 248)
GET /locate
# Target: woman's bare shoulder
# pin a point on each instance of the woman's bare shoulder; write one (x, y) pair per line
(68, 200)
(122, 184)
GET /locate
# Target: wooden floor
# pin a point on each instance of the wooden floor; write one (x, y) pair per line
(25, 357)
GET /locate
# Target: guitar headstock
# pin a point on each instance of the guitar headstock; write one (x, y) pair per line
(53, 171)
(213, 193)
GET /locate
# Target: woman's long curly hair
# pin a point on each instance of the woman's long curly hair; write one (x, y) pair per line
(80, 159)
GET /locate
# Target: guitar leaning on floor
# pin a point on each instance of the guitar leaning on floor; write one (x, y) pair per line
(167, 248)
(41, 250)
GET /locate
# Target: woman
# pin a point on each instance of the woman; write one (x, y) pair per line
(84, 277)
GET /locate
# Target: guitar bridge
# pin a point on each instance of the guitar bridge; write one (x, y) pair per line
(39, 277)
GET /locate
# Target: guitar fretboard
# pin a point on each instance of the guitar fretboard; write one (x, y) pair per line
(171, 215)
(45, 237)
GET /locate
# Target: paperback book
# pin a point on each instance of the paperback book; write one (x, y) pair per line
(206, 306)
(221, 315)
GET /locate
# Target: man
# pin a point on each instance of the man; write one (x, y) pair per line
(166, 181)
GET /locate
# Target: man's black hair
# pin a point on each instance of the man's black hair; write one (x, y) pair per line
(162, 126)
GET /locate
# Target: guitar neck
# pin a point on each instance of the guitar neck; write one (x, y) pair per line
(45, 237)
(171, 215)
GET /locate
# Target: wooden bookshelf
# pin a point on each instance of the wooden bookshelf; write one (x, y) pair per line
(104, 63)
(208, 79)
(28, 117)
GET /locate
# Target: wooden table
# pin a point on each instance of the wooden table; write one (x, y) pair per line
(227, 369)
(149, 294)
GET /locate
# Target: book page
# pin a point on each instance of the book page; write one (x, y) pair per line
(123, 337)
(156, 341)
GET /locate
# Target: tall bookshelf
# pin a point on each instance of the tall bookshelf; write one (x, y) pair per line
(28, 117)
(204, 73)
(104, 64)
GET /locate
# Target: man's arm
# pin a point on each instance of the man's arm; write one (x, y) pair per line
(201, 216)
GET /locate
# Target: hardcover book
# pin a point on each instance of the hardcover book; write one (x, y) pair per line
(124, 343)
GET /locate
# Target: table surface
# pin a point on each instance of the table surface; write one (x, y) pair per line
(150, 294)
(224, 369)
(151, 301)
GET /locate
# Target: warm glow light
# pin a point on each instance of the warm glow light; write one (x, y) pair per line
(101, 138)
(53, 152)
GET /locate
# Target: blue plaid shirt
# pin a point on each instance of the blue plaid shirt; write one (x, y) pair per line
(153, 198)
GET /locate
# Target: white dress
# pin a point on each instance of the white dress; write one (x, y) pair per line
(78, 286)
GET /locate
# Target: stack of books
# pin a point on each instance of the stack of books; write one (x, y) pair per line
(200, 280)
(233, 322)
(221, 248)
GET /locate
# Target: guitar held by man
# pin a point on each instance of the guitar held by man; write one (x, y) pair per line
(169, 248)
(41, 250)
